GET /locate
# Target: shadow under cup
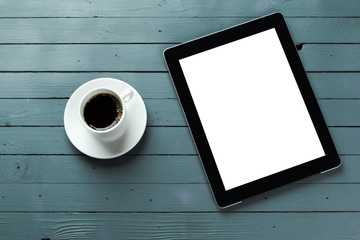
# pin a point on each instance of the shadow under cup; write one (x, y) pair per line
(103, 113)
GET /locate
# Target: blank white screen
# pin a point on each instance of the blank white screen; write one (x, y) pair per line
(251, 109)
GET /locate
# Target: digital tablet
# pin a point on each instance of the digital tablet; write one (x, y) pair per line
(250, 108)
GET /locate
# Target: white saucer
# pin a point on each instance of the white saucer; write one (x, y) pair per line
(87, 143)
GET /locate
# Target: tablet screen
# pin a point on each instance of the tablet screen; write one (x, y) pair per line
(251, 109)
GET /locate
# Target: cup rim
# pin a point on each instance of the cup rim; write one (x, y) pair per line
(87, 97)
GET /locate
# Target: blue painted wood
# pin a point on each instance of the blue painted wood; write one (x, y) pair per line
(161, 112)
(127, 57)
(156, 190)
(53, 140)
(85, 170)
(149, 85)
(197, 226)
(330, 57)
(175, 8)
(335, 85)
(156, 140)
(62, 85)
(132, 169)
(341, 112)
(50, 112)
(156, 30)
(171, 198)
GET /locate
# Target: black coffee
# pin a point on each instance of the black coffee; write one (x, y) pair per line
(102, 111)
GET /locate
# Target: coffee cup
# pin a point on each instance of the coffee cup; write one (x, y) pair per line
(103, 113)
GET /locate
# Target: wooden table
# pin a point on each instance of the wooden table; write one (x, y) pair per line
(49, 190)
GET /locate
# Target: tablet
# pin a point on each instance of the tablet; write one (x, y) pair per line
(250, 108)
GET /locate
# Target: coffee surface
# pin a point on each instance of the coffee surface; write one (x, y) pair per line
(102, 111)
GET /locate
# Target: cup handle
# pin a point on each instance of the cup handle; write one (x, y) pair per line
(127, 95)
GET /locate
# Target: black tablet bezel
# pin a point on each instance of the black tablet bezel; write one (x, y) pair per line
(226, 198)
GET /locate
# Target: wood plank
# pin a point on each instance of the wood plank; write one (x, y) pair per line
(149, 85)
(162, 211)
(175, 8)
(335, 85)
(346, 140)
(50, 112)
(62, 85)
(82, 169)
(171, 198)
(161, 112)
(156, 30)
(330, 57)
(341, 112)
(53, 140)
(133, 170)
(126, 57)
(196, 226)
(112, 57)
(93, 57)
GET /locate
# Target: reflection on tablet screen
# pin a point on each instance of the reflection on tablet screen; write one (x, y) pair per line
(251, 109)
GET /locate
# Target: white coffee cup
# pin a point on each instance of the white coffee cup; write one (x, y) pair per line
(117, 129)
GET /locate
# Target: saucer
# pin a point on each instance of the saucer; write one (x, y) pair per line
(92, 146)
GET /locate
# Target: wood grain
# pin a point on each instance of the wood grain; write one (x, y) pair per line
(149, 85)
(156, 30)
(87, 226)
(49, 190)
(176, 8)
(156, 140)
(62, 85)
(50, 112)
(171, 198)
(134, 169)
(53, 140)
(147, 57)
(161, 112)
(85, 170)
(335, 85)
